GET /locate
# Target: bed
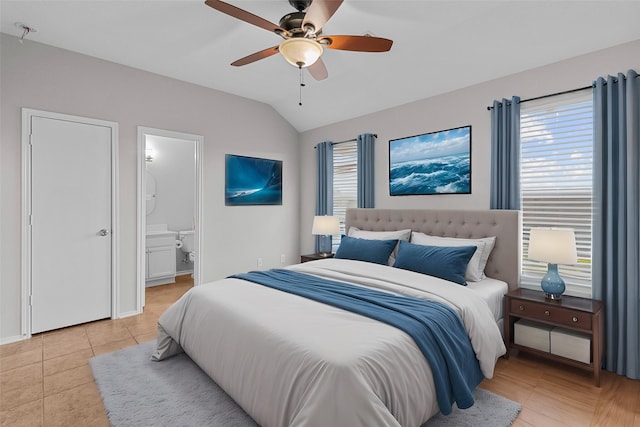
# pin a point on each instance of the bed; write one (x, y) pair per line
(292, 361)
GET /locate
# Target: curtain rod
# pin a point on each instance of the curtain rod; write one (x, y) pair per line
(348, 140)
(344, 142)
(561, 93)
(490, 107)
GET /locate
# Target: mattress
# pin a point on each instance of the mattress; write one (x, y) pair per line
(290, 361)
(493, 292)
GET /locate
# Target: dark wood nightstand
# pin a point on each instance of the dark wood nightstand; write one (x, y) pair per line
(313, 257)
(582, 315)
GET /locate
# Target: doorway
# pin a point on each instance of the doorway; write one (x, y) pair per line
(69, 258)
(169, 207)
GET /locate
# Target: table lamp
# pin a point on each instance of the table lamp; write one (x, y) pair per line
(554, 246)
(325, 226)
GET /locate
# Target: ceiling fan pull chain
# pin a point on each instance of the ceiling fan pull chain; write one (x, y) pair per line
(301, 85)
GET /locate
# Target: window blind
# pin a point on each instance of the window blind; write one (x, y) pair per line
(345, 183)
(556, 136)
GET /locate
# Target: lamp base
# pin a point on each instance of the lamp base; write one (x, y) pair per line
(553, 297)
(325, 254)
(552, 284)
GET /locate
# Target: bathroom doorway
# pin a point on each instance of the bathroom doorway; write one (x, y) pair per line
(169, 207)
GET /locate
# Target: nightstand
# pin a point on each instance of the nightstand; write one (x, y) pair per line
(313, 257)
(582, 315)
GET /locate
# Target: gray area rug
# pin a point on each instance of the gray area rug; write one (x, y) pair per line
(176, 392)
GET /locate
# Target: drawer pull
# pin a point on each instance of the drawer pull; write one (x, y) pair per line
(521, 307)
(574, 319)
(547, 313)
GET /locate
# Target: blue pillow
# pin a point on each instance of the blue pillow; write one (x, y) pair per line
(376, 251)
(446, 262)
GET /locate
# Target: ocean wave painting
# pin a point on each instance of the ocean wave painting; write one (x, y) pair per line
(252, 181)
(431, 163)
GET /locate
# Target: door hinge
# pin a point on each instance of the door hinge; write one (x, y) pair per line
(30, 300)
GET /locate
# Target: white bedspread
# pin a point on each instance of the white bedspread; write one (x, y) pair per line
(290, 361)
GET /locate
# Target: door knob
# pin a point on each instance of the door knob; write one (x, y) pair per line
(104, 232)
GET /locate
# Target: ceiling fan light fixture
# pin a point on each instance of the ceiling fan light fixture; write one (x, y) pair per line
(300, 52)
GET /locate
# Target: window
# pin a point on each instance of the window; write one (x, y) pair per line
(556, 135)
(345, 183)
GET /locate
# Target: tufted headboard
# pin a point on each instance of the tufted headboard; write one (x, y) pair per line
(504, 262)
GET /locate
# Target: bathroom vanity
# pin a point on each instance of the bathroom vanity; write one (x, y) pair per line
(160, 266)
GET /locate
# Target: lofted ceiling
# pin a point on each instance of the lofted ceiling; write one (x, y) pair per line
(439, 46)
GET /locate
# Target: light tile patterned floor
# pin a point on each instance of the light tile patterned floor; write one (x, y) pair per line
(47, 381)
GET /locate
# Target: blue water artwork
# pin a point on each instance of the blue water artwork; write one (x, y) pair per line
(252, 181)
(431, 163)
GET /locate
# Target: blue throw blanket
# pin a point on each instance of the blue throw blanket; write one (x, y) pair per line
(437, 329)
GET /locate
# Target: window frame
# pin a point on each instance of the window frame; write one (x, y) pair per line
(568, 190)
(345, 173)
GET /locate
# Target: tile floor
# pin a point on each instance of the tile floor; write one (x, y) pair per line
(47, 381)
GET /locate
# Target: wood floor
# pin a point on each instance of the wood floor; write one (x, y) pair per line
(47, 381)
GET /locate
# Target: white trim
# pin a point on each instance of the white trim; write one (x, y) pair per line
(15, 338)
(25, 226)
(129, 314)
(141, 205)
(27, 114)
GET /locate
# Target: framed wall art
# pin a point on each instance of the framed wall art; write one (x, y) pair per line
(252, 181)
(431, 163)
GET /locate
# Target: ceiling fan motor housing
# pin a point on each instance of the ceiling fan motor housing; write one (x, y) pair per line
(292, 22)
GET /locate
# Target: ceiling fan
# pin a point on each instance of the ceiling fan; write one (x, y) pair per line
(302, 33)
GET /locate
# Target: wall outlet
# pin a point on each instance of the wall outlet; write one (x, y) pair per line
(259, 262)
(282, 259)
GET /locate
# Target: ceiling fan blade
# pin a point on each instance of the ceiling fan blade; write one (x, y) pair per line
(357, 43)
(256, 56)
(318, 70)
(320, 12)
(245, 16)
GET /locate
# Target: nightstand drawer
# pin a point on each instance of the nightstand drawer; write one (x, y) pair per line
(559, 315)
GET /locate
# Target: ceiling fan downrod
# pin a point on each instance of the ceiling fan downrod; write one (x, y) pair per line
(302, 84)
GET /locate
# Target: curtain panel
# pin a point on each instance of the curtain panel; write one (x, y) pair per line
(616, 219)
(505, 154)
(366, 171)
(324, 188)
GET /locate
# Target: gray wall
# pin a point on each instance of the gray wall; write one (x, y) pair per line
(466, 106)
(47, 78)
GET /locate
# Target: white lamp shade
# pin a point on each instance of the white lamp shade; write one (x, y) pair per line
(325, 225)
(553, 245)
(300, 52)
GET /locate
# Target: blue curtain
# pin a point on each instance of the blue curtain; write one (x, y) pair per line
(505, 154)
(366, 171)
(616, 234)
(324, 188)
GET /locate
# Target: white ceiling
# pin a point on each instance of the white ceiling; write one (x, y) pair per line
(439, 46)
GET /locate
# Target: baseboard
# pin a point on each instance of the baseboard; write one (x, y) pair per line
(129, 314)
(161, 281)
(16, 338)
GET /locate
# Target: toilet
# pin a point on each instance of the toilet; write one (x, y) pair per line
(188, 243)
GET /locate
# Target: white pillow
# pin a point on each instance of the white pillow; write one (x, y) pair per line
(477, 263)
(382, 235)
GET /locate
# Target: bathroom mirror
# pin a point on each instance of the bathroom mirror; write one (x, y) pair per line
(150, 192)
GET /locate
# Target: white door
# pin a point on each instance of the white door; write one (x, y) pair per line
(71, 223)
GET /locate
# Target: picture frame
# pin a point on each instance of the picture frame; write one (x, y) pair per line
(252, 181)
(431, 163)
